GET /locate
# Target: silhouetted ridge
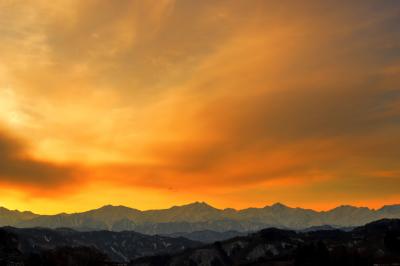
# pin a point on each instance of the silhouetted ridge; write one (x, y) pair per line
(118, 246)
(200, 216)
(273, 247)
(279, 205)
(196, 206)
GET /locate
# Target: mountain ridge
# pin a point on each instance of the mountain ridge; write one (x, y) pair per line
(199, 216)
(195, 203)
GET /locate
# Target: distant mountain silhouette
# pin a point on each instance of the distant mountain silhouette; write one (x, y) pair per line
(8, 217)
(199, 216)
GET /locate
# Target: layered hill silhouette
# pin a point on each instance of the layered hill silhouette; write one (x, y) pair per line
(377, 243)
(116, 246)
(199, 216)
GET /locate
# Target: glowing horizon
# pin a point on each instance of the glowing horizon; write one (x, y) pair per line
(189, 203)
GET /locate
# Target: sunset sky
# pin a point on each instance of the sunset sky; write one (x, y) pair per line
(151, 104)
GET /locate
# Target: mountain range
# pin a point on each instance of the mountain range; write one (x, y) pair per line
(199, 216)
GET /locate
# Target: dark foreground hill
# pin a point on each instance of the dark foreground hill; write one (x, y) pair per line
(208, 236)
(38, 243)
(377, 243)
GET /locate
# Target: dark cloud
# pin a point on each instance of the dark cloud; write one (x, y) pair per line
(16, 167)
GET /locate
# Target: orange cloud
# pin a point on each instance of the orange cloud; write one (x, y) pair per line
(236, 103)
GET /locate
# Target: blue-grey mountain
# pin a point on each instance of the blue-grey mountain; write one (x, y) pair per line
(199, 216)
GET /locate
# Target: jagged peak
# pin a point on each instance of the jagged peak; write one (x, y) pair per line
(345, 206)
(4, 209)
(8, 210)
(116, 206)
(230, 210)
(110, 207)
(278, 205)
(201, 203)
(197, 205)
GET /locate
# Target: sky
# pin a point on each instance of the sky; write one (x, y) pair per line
(240, 104)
